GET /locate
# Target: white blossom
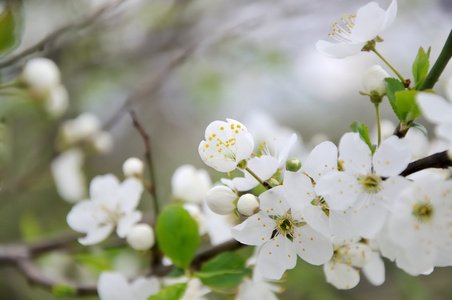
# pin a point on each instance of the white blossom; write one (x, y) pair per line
(133, 167)
(221, 199)
(141, 237)
(41, 75)
(112, 204)
(190, 184)
(247, 204)
(438, 111)
(114, 286)
(373, 81)
(356, 30)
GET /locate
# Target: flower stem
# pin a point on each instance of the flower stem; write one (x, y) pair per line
(8, 85)
(377, 111)
(264, 183)
(390, 66)
(439, 66)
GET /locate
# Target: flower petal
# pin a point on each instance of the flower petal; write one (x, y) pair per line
(339, 50)
(142, 287)
(298, 189)
(435, 108)
(276, 256)
(321, 160)
(96, 235)
(112, 286)
(392, 157)
(340, 275)
(85, 215)
(103, 189)
(255, 230)
(129, 194)
(354, 154)
(339, 189)
(312, 246)
(126, 223)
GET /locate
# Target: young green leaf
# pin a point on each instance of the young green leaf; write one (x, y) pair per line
(177, 235)
(172, 292)
(392, 86)
(61, 290)
(420, 67)
(407, 109)
(363, 131)
(9, 25)
(224, 271)
(419, 126)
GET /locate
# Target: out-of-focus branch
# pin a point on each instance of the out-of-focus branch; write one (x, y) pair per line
(52, 37)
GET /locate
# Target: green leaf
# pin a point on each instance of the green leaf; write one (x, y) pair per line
(30, 226)
(9, 26)
(61, 290)
(407, 109)
(177, 235)
(172, 292)
(420, 67)
(392, 86)
(224, 271)
(363, 131)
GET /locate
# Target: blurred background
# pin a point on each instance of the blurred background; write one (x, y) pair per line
(180, 65)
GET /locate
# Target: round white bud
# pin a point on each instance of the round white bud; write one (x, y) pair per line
(41, 75)
(103, 142)
(190, 184)
(133, 167)
(57, 101)
(220, 199)
(247, 204)
(374, 81)
(141, 237)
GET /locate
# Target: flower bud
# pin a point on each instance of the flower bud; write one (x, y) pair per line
(374, 81)
(41, 75)
(220, 199)
(293, 164)
(57, 101)
(190, 184)
(102, 142)
(247, 204)
(133, 167)
(141, 237)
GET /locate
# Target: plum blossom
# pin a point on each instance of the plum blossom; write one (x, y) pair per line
(438, 111)
(418, 235)
(114, 286)
(282, 234)
(111, 204)
(357, 30)
(341, 271)
(225, 145)
(190, 184)
(368, 184)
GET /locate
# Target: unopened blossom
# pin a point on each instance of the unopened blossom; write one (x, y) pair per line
(114, 286)
(438, 111)
(111, 205)
(418, 235)
(221, 199)
(374, 81)
(133, 167)
(282, 234)
(343, 270)
(225, 145)
(365, 189)
(355, 31)
(190, 184)
(247, 204)
(82, 127)
(57, 102)
(68, 176)
(141, 237)
(41, 75)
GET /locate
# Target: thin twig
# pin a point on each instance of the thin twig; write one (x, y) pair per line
(438, 160)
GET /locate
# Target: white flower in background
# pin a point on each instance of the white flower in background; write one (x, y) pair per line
(281, 233)
(141, 237)
(68, 176)
(247, 204)
(221, 199)
(361, 184)
(102, 142)
(195, 290)
(197, 214)
(299, 188)
(418, 234)
(190, 184)
(57, 101)
(41, 75)
(356, 30)
(82, 127)
(114, 286)
(219, 229)
(374, 81)
(438, 111)
(342, 270)
(112, 204)
(133, 167)
(225, 145)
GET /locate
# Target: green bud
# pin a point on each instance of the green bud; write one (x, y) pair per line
(293, 164)
(242, 164)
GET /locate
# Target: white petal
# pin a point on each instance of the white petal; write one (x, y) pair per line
(312, 246)
(276, 256)
(339, 189)
(126, 223)
(370, 217)
(142, 288)
(375, 270)
(354, 154)
(113, 286)
(255, 230)
(321, 160)
(341, 275)
(96, 235)
(273, 201)
(129, 194)
(444, 131)
(392, 157)
(245, 146)
(264, 167)
(317, 219)
(339, 50)
(368, 22)
(435, 108)
(298, 189)
(240, 184)
(85, 215)
(341, 224)
(282, 157)
(390, 15)
(104, 189)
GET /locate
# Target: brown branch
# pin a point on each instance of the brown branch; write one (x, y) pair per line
(438, 160)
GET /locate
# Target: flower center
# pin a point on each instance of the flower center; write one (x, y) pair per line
(113, 215)
(371, 183)
(319, 201)
(423, 212)
(342, 32)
